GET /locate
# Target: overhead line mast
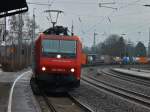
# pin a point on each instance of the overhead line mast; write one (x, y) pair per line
(148, 5)
(149, 44)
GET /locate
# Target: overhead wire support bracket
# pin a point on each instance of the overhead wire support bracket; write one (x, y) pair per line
(38, 3)
(109, 3)
(146, 5)
(110, 7)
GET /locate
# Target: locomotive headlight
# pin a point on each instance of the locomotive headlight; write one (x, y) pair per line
(43, 68)
(58, 56)
(72, 70)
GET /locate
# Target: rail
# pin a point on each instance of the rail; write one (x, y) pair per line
(64, 102)
(130, 95)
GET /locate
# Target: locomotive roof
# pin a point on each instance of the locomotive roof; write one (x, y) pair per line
(59, 37)
(58, 32)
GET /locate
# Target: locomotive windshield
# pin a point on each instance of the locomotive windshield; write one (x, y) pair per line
(66, 48)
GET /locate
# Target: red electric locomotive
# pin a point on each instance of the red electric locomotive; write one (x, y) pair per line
(57, 58)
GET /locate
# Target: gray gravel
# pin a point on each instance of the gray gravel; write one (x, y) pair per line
(125, 84)
(102, 101)
(120, 83)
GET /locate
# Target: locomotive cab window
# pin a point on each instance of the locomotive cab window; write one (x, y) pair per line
(50, 46)
(67, 48)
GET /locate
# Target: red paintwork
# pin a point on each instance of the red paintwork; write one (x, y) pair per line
(54, 65)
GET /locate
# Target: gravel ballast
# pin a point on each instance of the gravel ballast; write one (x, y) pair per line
(102, 101)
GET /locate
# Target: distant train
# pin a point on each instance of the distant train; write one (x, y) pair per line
(57, 58)
(106, 59)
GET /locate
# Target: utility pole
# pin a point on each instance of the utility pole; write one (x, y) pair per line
(148, 5)
(5, 23)
(3, 31)
(4, 38)
(33, 24)
(20, 39)
(72, 28)
(33, 36)
(125, 47)
(149, 44)
(94, 42)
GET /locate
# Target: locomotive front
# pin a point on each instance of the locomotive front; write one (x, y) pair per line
(58, 60)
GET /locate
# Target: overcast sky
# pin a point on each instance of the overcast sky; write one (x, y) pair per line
(130, 18)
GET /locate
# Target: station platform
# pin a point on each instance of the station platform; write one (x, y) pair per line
(134, 72)
(140, 70)
(23, 99)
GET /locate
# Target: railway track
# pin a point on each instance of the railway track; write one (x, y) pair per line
(59, 102)
(127, 94)
(133, 79)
